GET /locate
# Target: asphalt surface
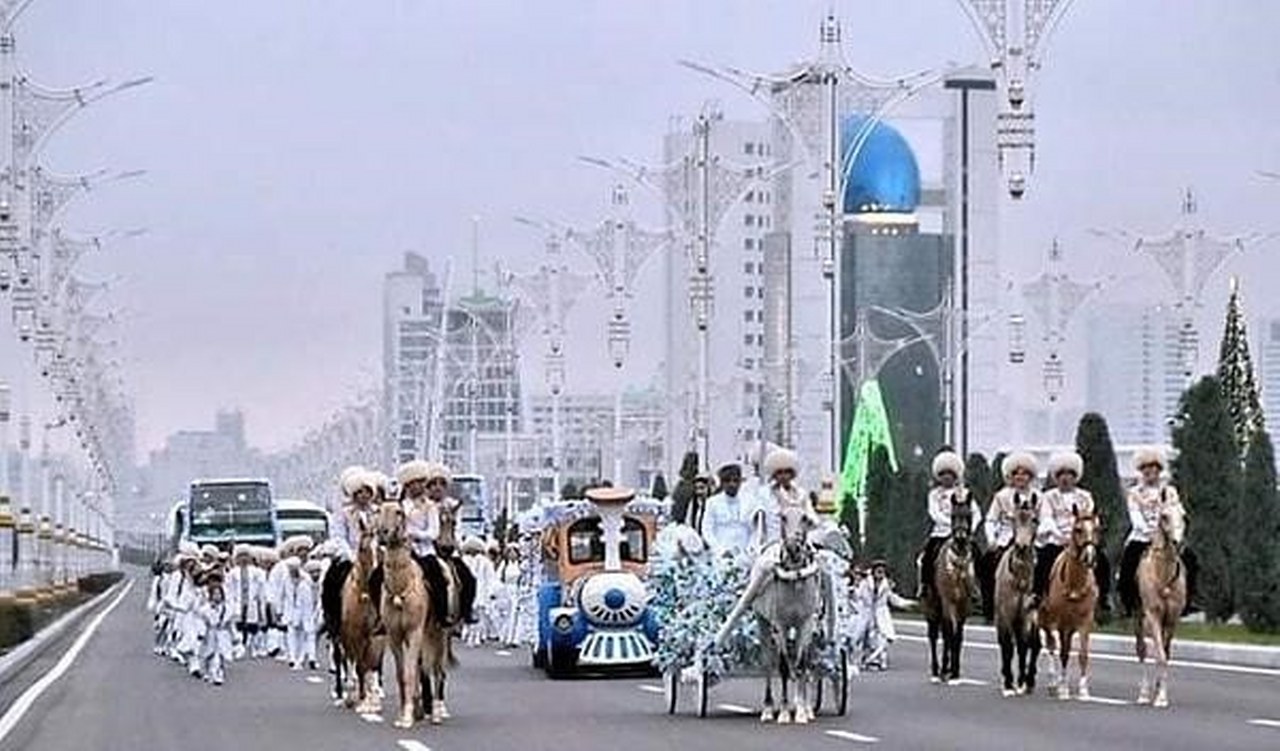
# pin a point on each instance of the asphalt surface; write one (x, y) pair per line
(116, 695)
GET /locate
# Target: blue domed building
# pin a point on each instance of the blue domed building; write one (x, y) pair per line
(884, 176)
(887, 263)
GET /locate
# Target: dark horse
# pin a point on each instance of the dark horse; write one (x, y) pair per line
(946, 603)
(331, 604)
(1017, 626)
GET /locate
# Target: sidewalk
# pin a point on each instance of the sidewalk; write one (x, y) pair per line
(1200, 651)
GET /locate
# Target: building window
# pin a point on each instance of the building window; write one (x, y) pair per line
(747, 340)
(748, 268)
(750, 197)
(749, 243)
(749, 220)
(748, 148)
(749, 316)
(748, 364)
(747, 291)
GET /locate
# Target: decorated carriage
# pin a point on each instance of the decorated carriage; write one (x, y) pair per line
(593, 611)
(694, 592)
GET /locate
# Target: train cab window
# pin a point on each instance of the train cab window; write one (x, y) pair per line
(633, 541)
(586, 544)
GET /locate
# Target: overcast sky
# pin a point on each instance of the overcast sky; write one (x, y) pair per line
(296, 148)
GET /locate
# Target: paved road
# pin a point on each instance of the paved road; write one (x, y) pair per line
(116, 695)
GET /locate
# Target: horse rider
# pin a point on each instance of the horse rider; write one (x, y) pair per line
(781, 466)
(948, 469)
(358, 491)
(1146, 502)
(727, 528)
(1019, 470)
(1059, 508)
(423, 488)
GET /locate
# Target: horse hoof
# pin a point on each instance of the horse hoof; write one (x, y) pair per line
(1021, 690)
(437, 719)
(935, 679)
(402, 723)
(1084, 695)
(766, 715)
(1143, 698)
(1006, 692)
(1161, 700)
(1064, 693)
(784, 717)
(802, 718)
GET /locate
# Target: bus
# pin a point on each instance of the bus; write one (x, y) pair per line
(224, 512)
(298, 517)
(475, 518)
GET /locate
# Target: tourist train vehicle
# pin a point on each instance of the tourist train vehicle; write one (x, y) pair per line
(592, 600)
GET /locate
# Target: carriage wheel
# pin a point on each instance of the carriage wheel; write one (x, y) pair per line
(817, 696)
(703, 691)
(671, 683)
(842, 683)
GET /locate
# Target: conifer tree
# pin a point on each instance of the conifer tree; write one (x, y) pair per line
(1258, 562)
(1235, 372)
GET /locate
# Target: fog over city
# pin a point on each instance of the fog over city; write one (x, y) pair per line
(294, 150)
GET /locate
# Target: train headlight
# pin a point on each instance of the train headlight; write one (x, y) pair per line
(564, 623)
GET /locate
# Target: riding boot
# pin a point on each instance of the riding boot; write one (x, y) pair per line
(437, 589)
(467, 582)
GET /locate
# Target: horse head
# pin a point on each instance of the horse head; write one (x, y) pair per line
(391, 523)
(1024, 519)
(448, 510)
(367, 552)
(961, 523)
(1084, 536)
(1173, 525)
(796, 551)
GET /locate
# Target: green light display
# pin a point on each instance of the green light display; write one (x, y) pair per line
(870, 429)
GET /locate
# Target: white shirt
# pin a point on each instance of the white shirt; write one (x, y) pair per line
(727, 523)
(1145, 504)
(940, 500)
(423, 525)
(1057, 515)
(999, 521)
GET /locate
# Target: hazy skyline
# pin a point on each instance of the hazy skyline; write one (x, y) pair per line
(296, 149)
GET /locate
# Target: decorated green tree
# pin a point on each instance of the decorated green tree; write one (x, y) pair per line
(1102, 478)
(879, 489)
(659, 491)
(1207, 474)
(1258, 558)
(909, 520)
(1235, 372)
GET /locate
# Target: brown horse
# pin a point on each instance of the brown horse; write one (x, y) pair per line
(1016, 627)
(1068, 609)
(404, 607)
(1162, 587)
(946, 603)
(361, 649)
(437, 644)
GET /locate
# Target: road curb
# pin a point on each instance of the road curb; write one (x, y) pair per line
(17, 659)
(1251, 655)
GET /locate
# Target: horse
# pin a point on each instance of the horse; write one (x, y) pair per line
(437, 654)
(1016, 618)
(1162, 589)
(360, 648)
(1069, 607)
(946, 603)
(404, 607)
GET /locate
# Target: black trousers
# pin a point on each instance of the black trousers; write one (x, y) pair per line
(987, 565)
(1127, 585)
(433, 572)
(929, 562)
(1045, 558)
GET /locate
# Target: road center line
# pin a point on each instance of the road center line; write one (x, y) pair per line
(370, 717)
(29, 697)
(966, 682)
(314, 679)
(1260, 722)
(651, 688)
(503, 653)
(1105, 700)
(736, 708)
(408, 744)
(846, 735)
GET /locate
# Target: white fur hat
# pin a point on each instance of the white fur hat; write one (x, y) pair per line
(1148, 455)
(948, 461)
(349, 479)
(313, 567)
(297, 545)
(1016, 461)
(780, 459)
(472, 546)
(1068, 461)
(293, 562)
(418, 469)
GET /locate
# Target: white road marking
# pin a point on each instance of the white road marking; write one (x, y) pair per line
(1105, 700)
(1220, 667)
(29, 697)
(845, 735)
(408, 744)
(651, 688)
(735, 708)
(503, 653)
(371, 717)
(966, 682)
(1260, 722)
(314, 679)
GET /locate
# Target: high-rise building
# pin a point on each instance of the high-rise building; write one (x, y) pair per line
(413, 310)
(1135, 374)
(1269, 373)
(450, 369)
(736, 326)
(587, 430)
